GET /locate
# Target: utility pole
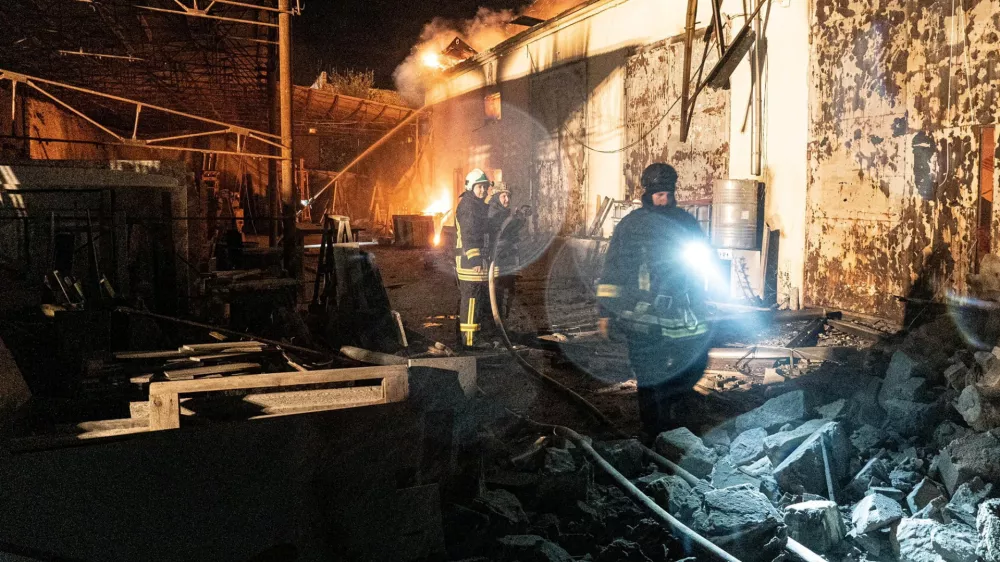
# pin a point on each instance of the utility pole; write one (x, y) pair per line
(288, 199)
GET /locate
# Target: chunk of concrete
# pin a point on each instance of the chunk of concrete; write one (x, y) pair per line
(763, 470)
(935, 510)
(816, 524)
(902, 478)
(533, 548)
(774, 413)
(747, 447)
(626, 455)
(718, 439)
(876, 470)
(687, 450)
(988, 525)
(922, 494)
(838, 410)
(904, 380)
(558, 461)
(675, 495)
(910, 418)
(781, 444)
(864, 401)
(948, 431)
(875, 512)
(955, 375)
(804, 470)
(621, 550)
(868, 437)
(503, 507)
(964, 504)
(875, 543)
(740, 519)
(891, 493)
(923, 540)
(977, 454)
(726, 474)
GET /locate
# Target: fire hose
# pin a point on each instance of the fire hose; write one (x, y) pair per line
(792, 546)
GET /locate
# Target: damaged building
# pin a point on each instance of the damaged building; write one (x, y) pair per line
(605, 280)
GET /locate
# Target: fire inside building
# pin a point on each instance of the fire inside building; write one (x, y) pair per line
(644, 280)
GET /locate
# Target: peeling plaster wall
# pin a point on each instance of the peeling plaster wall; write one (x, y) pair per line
(653, 80)
(897, 91)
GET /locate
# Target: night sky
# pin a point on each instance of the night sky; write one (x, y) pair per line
(370, 34)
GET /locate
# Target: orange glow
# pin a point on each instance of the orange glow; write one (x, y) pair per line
(437, 238)
(432, 60)
(439, 207)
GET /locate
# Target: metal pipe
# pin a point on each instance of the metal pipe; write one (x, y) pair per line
(221, 330)
(367, 151)
(686, 111)
(288, 198)
(757, 132)
(642, 499)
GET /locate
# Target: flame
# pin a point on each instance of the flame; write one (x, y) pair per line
(439, 207)
(437, 238)
(431, 59)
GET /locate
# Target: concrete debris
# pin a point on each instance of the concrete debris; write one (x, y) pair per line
(816, 524)
(935, 510)
(740, 519)
(532, 548)
(868, 437)
(910, 418)
(876, 471)
(956, 376)
(621, 550)
(922, 494)
(718, 439)
(904, 380)
(558, 461)
(687, 450)
(964, 504)
(864, 401)
(726, 474)
(675, 495)
(774, 413)
(803, 470)
(904, 479)
(837, 410)
(946, 432)
(988, 525)
(502, 506)
(763, 470)
(923, 540)
(980, 406)
(875, 512)
(747, 447)
(888, 492)
(625, 455)
(781, 444)
(977, 454)
(876, 544)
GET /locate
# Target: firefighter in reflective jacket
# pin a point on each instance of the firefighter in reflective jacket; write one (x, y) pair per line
(652, 291)
(472, 224)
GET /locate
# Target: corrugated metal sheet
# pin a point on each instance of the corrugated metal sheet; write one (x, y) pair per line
(559, 186)
(653, 79)
(898, 90)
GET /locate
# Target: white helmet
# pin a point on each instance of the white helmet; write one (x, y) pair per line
(476, 176)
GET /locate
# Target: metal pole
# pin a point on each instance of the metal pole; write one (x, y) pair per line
(287, 175)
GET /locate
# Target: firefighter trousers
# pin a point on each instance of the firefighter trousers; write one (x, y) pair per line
(666, 370)
(473, 310)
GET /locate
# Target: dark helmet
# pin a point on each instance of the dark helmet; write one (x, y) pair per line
(659, 177)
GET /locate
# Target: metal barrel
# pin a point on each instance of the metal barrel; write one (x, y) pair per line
(734, 214)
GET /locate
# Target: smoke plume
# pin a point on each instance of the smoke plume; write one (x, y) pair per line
(482, 32)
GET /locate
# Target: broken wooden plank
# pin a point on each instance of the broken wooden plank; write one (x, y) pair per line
(225, 368)
(858, 330)
(809, 335)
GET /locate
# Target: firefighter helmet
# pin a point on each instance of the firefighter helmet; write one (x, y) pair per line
(476, 176)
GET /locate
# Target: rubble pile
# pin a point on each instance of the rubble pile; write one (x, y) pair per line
(905, 468)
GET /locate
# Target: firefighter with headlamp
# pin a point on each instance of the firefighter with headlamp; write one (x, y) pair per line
(652, 291)
(472, 225)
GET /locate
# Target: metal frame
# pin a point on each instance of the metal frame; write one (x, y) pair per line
(242, 134)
